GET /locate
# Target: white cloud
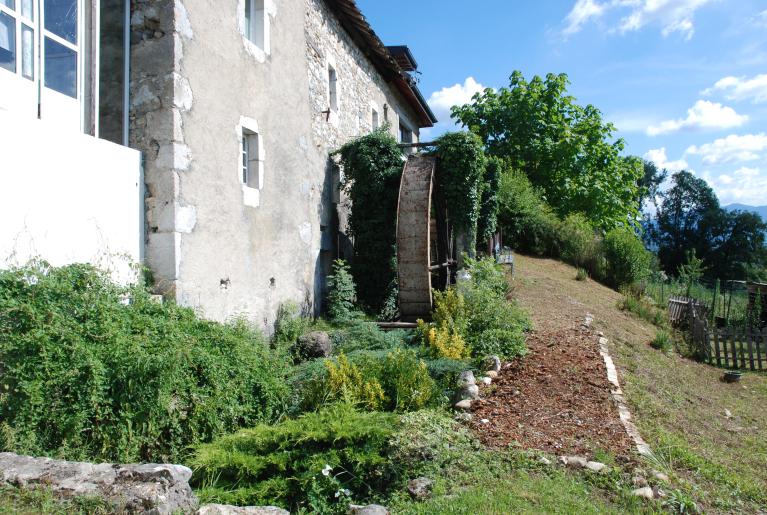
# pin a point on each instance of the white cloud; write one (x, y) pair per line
(742, 88)
(732, 149)
(582, 12)
(659, 157)
(456, 95)
(761, 19)
(743, 186)
(670, 15)
(703, 115)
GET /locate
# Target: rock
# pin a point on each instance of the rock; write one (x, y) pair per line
(600, 334)
(544, 460)
(658, 493)
(493, 363)
(468, 392)
(466, 378)
(492, 374)
(370, 509)
(316, 344)
(727, 414)
(147, 488)
(660, 476)
(603, 341)
(639, 481)
(645, 492)
(463, 405)
(485, 381)
(463, 417)
(420, 488)
(485, 421)
(573, 461)
(595, 466)
(222, 509)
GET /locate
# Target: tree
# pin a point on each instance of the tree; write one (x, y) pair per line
(690, 219)
(684, 220)
(564, 148)
(650, 182)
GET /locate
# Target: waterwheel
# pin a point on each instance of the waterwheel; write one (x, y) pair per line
(420, 240)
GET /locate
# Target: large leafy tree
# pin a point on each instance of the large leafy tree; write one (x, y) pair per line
(690, 219)
(564, 148)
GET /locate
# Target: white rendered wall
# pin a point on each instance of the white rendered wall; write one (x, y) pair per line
(68, 198)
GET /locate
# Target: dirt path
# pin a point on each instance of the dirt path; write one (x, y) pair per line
(557, 398)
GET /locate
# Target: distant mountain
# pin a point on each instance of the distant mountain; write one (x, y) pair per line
(760, 210)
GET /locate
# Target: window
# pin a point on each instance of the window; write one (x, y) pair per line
(374, 122)
(256, 24)
(405, 134)
(252, 174)
(17, 37)
(386, 113)
(332, 89)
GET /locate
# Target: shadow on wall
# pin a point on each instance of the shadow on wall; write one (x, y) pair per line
(333, 243)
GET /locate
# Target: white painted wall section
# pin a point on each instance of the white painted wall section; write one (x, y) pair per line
(68, 198)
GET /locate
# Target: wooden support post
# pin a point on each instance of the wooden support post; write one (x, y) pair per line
(716, 348)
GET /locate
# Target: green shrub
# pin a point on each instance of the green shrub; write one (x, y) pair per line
(576, 240)
(86, 375)
(642, 308)
(289, 325)
(581, 274)
(342, 293)
(299, 464)
(528, 223)
(445, 372)
(486, 273)
(361, 335)
(627, 260)
(494, 324)
(662, 341)
(395, 380)
(427, 441)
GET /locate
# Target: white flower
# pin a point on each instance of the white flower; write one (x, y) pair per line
(327, 470)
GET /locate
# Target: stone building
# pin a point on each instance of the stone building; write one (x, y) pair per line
(235, 107)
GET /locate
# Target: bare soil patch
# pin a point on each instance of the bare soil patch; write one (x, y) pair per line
(556, 399)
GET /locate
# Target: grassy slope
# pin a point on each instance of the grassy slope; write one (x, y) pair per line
(679, 404)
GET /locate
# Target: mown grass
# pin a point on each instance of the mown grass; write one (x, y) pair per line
(512, 481)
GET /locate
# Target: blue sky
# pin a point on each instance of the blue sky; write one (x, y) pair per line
(685, 81)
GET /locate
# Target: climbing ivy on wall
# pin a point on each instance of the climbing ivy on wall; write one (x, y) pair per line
(461, 170)
(488, 207)
(372, 168)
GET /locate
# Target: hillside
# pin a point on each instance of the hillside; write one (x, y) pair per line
(706, 432)
(760, 210)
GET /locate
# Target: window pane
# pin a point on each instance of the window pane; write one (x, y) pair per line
(27, 52)
(60, 68)
(7, 42)
(9, 3)
(27, 9)
(61, 18)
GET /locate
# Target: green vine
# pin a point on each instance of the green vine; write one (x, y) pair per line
(488, 210)
(372, 168)
(461, 171)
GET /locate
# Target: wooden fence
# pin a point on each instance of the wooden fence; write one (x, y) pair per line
(728, 347)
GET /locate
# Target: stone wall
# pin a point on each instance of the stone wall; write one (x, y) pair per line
(156, 489)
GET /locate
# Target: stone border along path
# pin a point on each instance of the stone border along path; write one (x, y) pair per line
(617, 394)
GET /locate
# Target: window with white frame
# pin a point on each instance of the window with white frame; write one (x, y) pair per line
(332, 89)
(257, 24)
(374, 119)
(41, 63)
(252, 163)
